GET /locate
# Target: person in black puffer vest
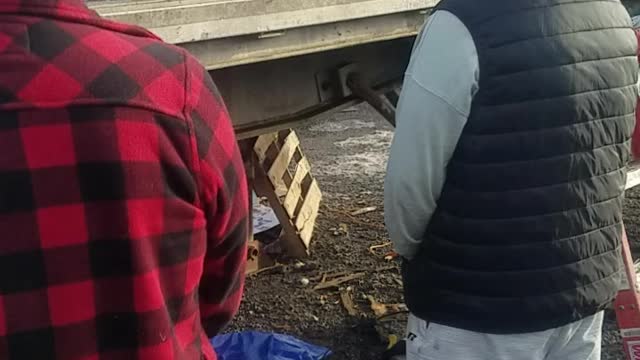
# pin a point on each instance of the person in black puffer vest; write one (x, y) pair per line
(505, 181)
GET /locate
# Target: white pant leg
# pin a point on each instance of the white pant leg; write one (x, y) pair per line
(438, 342)
(581, 340)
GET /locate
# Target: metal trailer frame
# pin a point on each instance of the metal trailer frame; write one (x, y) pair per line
(224, 33)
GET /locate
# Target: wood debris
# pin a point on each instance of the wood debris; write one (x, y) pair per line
(324, 277)
(267, 269)
(373, 248)
(338, 281)
(382, 310)
(393, 310)
(347, 303)
(378, 308)
(398, 307)
(363, 211)
(354, 220)
(391, 256)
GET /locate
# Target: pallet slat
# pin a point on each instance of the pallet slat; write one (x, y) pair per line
(295, 191)
(263, 142)
(306, 219)
(281, 163)
(309, 206)
(307, 233)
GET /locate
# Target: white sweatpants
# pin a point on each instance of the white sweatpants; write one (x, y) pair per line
(577, 341)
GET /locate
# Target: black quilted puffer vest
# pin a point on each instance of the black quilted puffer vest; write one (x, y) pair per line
(527, 232)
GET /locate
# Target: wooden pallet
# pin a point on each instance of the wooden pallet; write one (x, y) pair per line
(282, 175)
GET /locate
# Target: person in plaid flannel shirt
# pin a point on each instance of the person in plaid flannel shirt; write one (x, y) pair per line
(123, 200)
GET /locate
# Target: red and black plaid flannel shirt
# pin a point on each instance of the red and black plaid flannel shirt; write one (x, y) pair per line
(123, 202)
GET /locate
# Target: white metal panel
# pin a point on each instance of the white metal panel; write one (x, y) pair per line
(183, 21)
(236, 32)
(221, 53)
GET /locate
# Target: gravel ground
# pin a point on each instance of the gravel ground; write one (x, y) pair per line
(348, 156)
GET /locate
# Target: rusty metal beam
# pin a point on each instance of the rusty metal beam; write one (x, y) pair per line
(379, 102)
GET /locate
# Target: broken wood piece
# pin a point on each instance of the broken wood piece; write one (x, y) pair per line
(374, 247)
(353, 219)
(398, 307)
(338, 281)
(387, 316)
(378, 308)
(391, 256)
(306, 218)
(263, 142)
(295, 191)
(335, 275)
(281, 163)
(263, 270)
(347, 303)
(329, 276)
(392, 311)
(363, 211)
(323, 277)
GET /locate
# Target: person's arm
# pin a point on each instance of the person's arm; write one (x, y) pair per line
(439, 86)
(225, 201)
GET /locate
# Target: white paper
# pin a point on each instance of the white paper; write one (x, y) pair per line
(263, 217)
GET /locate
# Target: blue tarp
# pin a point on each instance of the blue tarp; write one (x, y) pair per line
(253, 345)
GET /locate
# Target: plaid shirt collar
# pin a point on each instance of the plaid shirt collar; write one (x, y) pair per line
(68, 10)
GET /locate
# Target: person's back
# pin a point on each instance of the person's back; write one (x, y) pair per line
(123, 203)
(515, 226)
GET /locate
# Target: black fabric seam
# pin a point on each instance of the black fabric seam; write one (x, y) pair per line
(194, 157)
(444, 212)
(582, 286)
(498, 76)
(492, 106)
(522, 271)
(527, 131)
(535, 187)
(513, 162)
(547, 37)
(529, 243)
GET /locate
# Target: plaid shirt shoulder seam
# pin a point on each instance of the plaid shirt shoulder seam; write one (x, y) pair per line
(194, 157)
